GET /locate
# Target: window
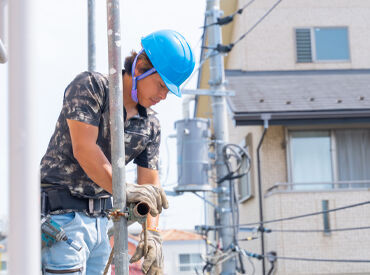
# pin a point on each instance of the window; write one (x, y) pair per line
(190, 262)
(353, 154)
(322, 44)
(3, 265)
(329, 157)
(311, 158)
(244, 187)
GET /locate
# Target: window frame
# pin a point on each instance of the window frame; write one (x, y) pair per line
(313, 45)
(188, 264)
(290, 157)
(246, 143)
(331, 130)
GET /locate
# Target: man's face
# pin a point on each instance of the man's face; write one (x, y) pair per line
(151, 90)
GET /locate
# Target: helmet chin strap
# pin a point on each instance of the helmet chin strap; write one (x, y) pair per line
(136, 78)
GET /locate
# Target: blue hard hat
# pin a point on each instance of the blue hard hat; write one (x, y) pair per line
(171, 56)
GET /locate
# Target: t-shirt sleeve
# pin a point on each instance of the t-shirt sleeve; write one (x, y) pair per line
(84, 99)
(149, 158)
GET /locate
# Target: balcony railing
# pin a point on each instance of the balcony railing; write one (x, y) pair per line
(286, 187)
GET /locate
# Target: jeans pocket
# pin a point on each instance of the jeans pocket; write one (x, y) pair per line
(64, 220)
(63, 270)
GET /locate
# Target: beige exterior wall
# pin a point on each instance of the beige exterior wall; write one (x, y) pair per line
(337, 245)
(271, 46)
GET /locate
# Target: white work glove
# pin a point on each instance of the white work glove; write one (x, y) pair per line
(154, 196)
(153, 258)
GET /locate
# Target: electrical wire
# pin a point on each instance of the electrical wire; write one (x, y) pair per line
(201, 63)
(244, 253)
(234, 206)
(310, 214)
(259, 257)
(323, 260)
(318, 230)
(258, 22)
(227, 19)
(227, 48)
(252, 264)
(303, 216)
(248, 239)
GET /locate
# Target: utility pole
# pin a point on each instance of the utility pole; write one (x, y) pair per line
(24, 181)
(91, 35)
(216, 82)
(117, 137)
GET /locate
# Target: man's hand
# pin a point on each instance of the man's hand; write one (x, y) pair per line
(153, 257)
(152, 195)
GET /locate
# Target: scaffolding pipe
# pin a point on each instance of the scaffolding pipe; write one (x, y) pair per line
(3, 40)
(4, 21)
(117, 136)
(91, 36)
(3, 54)
(217, 81)
(24, 183)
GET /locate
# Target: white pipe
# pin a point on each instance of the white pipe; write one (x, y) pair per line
(186, 106)
(24, 187)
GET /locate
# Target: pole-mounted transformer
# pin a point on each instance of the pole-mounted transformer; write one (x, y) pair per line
(193, 139)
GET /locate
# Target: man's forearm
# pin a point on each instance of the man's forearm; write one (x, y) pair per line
(95, 165)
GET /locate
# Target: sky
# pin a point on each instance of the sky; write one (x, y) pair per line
(61, 38)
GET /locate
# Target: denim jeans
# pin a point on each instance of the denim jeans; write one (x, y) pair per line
(88, 232)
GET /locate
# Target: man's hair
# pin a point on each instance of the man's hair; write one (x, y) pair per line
(146, 64)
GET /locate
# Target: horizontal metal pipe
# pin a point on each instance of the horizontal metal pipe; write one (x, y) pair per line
(141, 209)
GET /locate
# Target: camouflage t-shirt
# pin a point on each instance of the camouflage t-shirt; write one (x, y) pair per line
(86, 99)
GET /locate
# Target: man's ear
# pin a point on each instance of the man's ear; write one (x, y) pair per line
(138, 68)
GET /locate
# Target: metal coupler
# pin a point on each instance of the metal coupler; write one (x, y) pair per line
(52, 232)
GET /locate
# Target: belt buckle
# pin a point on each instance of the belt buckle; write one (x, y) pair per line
(91, 206)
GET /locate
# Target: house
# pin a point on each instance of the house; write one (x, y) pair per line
(182, 251)
(134, 268)
(302, 109)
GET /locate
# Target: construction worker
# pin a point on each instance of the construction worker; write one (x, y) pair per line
(76, 173)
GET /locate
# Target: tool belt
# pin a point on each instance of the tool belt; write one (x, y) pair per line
(61, 200)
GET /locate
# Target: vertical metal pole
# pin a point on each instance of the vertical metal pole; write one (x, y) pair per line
(117, 136)
(3, 21)
(3, 17)
(217, 80)
(3, 54)
(91, 36)
(24, 185)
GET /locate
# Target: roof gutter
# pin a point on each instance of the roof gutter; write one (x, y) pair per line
(305, 117)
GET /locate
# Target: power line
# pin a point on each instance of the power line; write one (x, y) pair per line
(318, 230)
(309, 214)
(259, 21)
(302, 216)
(227, 19)
(259, 257)
(227, 48)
